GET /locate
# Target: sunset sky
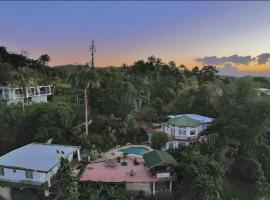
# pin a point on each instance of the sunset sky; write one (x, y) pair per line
(234, 36)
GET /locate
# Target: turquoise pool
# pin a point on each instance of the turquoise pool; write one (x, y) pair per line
(135, 150)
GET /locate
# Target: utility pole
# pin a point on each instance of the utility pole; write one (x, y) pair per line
(92, 49)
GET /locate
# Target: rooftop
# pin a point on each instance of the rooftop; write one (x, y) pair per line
(158, 158)
(36, 156)
(188, 120)
(98, 172)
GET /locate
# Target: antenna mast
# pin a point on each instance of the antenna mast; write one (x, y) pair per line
(92, 49)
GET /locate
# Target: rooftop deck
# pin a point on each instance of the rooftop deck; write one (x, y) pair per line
(98, 172)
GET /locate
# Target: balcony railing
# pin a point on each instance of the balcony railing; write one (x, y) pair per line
(23, 181)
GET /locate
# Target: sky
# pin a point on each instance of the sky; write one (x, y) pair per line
(235, 36)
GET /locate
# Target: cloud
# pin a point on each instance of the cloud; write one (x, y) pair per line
(263, 58)
(214, 60)
(231, 70)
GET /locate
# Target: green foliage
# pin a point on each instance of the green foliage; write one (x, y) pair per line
(145, 90)
(248, 169)
(158, 140)
(130, 122)
(199, 176)
(105, 192)
(67, 181)
(51, 120)
(149, 114)
(118, 98)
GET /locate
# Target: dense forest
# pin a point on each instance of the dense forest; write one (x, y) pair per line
(119, 97)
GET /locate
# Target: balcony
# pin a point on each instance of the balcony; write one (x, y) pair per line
(33, 92)
(22, 183)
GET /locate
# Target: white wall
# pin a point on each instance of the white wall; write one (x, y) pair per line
(19, 175)
(41, 177)
(175, 144)
(39, 99)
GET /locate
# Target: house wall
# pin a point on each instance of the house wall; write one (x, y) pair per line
(174, 131)
(145, 187)
(19, 175)
(174, 134)
(174, 144)
(39, 99)
(41, 177)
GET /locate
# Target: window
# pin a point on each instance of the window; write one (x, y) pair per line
(2, 172)
(172, 131)
(29, 174)
(182, 131)
(193, 132)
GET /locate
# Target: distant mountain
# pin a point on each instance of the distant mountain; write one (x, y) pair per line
(74, 68)
(68, 67)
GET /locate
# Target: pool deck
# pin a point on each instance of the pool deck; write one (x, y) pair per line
(99, 172)
(117, 152)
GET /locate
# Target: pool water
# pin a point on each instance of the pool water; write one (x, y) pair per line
(135, 150)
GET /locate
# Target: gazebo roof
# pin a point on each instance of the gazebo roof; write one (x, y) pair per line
(158, 158)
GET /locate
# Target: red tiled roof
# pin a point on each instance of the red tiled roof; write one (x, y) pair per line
(97, 172)
(147, 127)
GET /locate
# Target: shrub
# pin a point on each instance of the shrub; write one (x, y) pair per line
(158, 140)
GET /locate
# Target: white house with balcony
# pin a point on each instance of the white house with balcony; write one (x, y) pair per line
(33, 166)
(15, 95)
(185, 128)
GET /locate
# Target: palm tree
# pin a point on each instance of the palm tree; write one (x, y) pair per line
(24, 78)
(44, 59)
(84, 79)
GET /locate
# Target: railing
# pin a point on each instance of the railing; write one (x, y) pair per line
(24, 181)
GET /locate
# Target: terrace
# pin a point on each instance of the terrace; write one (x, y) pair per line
(130, 173)
(136, 173)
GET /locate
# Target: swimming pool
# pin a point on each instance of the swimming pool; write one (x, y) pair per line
(135, 150)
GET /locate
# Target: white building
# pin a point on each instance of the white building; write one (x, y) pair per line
(15, 95)
(183, 129)
(263, 91)
(33, 166)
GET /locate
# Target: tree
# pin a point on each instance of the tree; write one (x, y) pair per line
(208, 73)
(68, 183)
(24, 78)
(117, 98)
(44, 59)
(199, 176)
(158, 140)
(105, 192)
(86, 78)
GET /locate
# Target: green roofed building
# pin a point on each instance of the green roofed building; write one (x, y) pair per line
(158, 158)
(183, 121)
(185, 128)
(161, 165)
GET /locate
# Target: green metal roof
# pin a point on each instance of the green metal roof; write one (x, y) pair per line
(158, 158)
(183, 121)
